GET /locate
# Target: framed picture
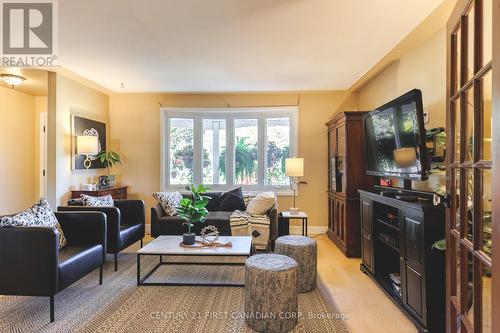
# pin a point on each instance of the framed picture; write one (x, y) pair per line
(85, 126)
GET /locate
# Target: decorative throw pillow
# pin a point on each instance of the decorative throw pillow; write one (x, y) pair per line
(232, 200)
(104, 201)
(169, 201)
(261, 204)
(38, 215)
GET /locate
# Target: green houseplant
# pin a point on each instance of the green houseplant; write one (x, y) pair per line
(193, 210)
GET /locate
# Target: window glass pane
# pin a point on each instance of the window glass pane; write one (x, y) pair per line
(486, 209)
(469, 179)
(457, 129)
(487, 29)
(277, 149)
(486, 299)
(469, 125)
(181, 150)
(469, 297)
(214, 151)
(456, 244)
(470, 43)
(458, 44)
(457, 199)
(486, 116)
(245, 155)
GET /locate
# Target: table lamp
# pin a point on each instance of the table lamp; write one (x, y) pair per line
(87, 145)
(294, 168)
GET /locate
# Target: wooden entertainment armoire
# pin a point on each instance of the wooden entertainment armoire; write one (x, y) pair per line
(346, 175)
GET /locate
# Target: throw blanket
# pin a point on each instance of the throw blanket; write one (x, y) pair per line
(246, 224)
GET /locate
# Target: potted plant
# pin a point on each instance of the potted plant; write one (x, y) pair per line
(109, 159)
(193, 210)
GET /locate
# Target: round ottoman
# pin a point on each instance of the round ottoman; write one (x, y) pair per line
(271, 303)
(304, 251)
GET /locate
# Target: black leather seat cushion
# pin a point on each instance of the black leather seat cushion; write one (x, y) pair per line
(129, 234)
(75, 262)
(172, 225)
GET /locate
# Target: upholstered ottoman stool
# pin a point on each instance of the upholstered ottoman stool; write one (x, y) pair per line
(271, 303)
(304, 251)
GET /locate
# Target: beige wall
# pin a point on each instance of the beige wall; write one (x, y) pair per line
(17, 151)
(135, 134)
(424, 68)
(72, 97)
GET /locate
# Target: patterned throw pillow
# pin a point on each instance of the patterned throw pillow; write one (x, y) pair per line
(38, 215)
(169, 201)
(105, 201)
(261, 204)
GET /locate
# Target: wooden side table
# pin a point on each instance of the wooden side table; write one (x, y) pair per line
(284, 222)
(117, 192)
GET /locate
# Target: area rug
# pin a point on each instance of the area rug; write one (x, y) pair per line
(120, 306)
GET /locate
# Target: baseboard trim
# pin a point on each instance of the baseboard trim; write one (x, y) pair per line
(294, 230)
(311, 230)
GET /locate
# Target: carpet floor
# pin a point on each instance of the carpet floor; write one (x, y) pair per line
(120, 306)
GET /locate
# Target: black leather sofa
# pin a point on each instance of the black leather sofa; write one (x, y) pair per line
(125, 223)
(161, 224)
(31, 263)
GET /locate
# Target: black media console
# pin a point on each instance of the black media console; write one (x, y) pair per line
(396, 245)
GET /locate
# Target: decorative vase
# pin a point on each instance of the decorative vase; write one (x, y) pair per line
(188, 238)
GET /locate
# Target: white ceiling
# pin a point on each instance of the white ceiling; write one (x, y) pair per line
(231, 45)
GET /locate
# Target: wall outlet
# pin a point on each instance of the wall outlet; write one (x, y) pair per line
(426, 116)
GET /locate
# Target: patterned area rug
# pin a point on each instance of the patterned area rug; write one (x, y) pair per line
(120, 306)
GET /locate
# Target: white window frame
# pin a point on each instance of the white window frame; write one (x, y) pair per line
(229, 114)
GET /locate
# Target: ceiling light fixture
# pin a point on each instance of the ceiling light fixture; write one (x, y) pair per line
(12, 80)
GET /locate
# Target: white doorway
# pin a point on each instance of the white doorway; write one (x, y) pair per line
(43, 155)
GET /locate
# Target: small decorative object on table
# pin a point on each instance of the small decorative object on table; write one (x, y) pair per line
(193, 211)
(210, 237)
(103, 182)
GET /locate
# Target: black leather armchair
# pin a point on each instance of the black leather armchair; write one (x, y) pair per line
(125, 223)
(31, 263)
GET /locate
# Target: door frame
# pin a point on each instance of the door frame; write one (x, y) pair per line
(495, 292)
(459, 9)
(42, 157)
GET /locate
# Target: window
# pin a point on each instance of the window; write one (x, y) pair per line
(224, 148)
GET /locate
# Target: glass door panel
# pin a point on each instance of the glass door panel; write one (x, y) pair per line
(469, 125)
(455, 109)
(486, 210)
(470, 70)
(486, 299)
(457, 42)
(486, 116)
(486, 31)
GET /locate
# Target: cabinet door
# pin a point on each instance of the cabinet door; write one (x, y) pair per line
(366, 234)
(340, 220)
(331, 214)
(412, 231)
(413, 290)
(366, 216)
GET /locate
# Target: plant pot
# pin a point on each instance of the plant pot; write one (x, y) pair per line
(188, 238)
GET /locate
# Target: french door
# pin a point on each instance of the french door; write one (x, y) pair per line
(472, 231)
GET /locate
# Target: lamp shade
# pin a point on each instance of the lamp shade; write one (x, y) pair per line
(87, 145)
(294, 167)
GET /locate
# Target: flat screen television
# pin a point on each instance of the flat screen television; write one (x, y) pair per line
(395, 139)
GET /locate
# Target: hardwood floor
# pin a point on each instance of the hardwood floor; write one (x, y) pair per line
(369, 310)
